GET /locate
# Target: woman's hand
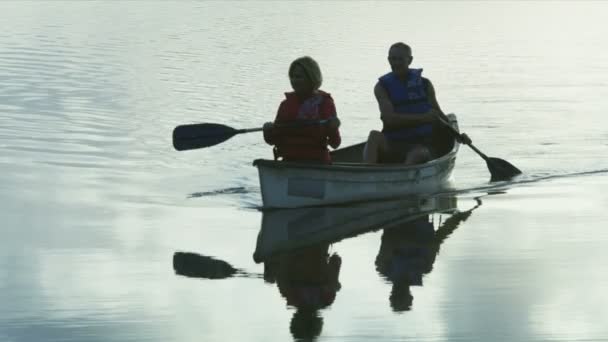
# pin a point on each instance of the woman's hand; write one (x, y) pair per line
(333, 123)
(268, 126)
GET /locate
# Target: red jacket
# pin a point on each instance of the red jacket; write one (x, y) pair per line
(304, 143)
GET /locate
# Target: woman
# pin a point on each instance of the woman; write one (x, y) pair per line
(305, 104)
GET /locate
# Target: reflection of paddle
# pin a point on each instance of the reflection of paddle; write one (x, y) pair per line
(499, 169)
(201, 266)
(450, 225)
(188, 137)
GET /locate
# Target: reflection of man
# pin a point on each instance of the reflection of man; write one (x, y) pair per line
(407, 252)
(308, 280)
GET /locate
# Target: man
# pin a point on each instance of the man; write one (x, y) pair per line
(408, 110)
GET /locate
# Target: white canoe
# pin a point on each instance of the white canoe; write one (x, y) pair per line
(287, 230)
(293, 185)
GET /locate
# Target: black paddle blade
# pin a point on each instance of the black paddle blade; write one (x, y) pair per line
(501, 170)
(188, 137)
(200, 266)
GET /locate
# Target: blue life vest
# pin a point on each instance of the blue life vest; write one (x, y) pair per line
(408, 97)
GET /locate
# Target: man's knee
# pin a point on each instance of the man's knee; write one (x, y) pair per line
(419, 154)
(375, 137)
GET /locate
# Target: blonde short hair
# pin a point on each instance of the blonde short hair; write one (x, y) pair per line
(311, 68)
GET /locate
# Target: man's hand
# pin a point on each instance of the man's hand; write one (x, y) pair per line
(463, 138)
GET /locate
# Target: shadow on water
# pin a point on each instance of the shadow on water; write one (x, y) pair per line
(293, 245)
(227, 191)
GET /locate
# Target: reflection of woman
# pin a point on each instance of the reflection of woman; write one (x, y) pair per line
(407, 252)
(308, 280)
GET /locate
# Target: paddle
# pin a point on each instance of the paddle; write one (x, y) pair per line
(188, 137)
(500, 169)
(200, 266)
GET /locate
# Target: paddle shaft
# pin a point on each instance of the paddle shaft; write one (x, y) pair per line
(249, 130)
(478, 151)
(442, 118)
(303, 123)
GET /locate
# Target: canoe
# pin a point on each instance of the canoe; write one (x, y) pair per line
(347, 179)
(287, 230)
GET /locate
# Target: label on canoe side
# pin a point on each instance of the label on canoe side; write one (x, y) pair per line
(427, 172)
(302, 187)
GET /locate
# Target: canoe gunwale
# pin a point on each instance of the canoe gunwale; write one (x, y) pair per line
(353, 167)
(361, 167)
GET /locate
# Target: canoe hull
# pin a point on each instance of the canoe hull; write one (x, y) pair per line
(292, 186)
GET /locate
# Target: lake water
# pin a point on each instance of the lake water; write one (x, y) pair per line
(95, 201)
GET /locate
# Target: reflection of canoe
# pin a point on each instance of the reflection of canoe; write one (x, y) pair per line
(292, 185)
(289, 229)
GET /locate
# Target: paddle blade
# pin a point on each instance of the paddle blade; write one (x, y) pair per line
(188, 137)
(200, 266)
(501, 170)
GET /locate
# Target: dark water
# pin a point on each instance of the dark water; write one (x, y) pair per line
(95, 201)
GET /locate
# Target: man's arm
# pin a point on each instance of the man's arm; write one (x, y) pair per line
(436, 110)
(430, 93)
(394, 120)
(328, 111)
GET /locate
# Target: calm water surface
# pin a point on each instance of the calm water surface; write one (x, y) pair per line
(96, 202)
